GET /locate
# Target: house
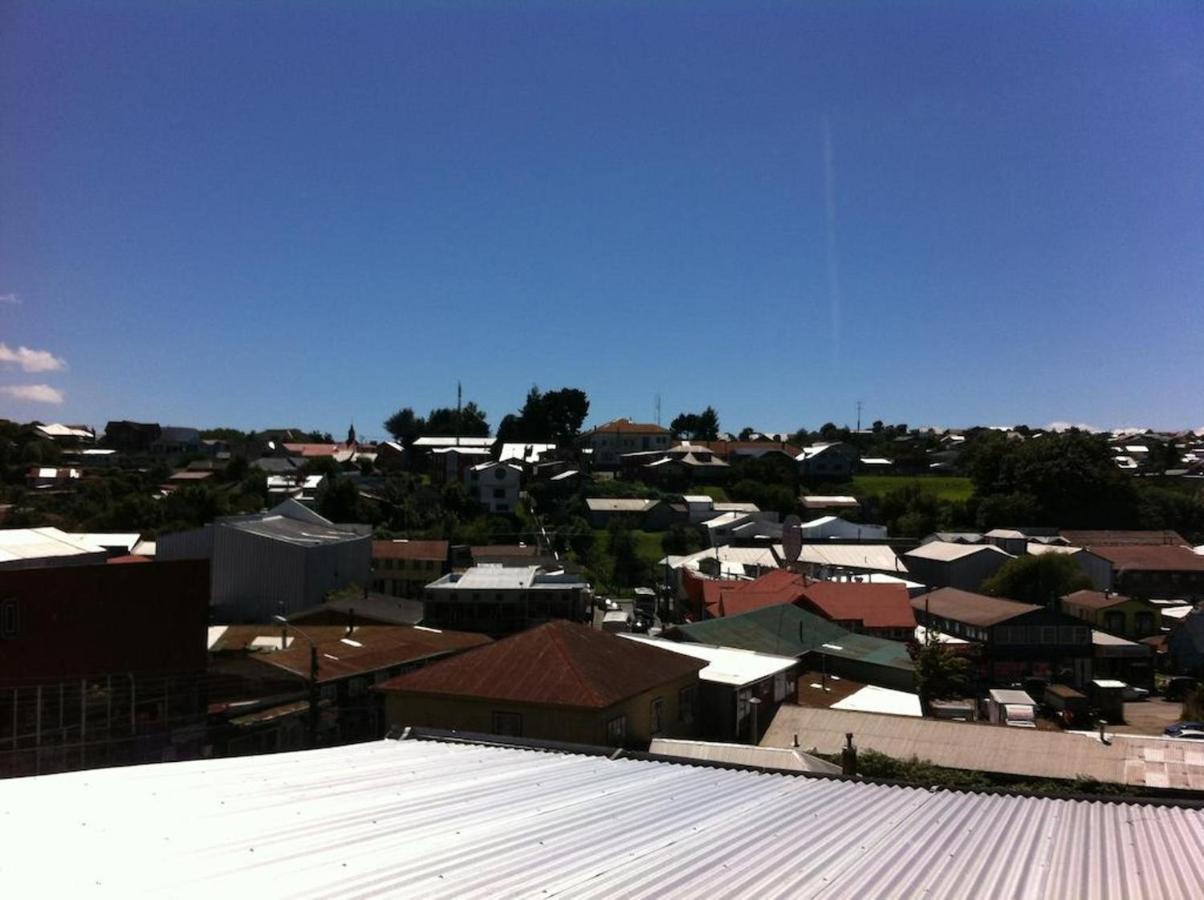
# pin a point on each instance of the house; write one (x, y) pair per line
(131, 437)
(173, 440)
(754, 527)
(434, 442)
(834, 561)
(1116, 614)
(39, 548)
(494, 485)
(561, 681)
(786, 630)
(43, 478)
(609, 441)
(828, 502)
(955, 537)
(739, 691)
(101, 665)
(1098, 569)
(827, 528)
(403, 568)
(648, 515)
(437, 816)
(390, 456)
(1009, 540)
(702, 507)
(1113, 538)
(1164, 571)
(340, 453)
(349, 609)
(1185, 644)
(69, 435)
(1015, 640)
(733, 451)
(963, 566)
(274, 563)
(502, 555)
(525, 454)
(1118, 659)
(263, 678)
(452, 463)
(498, 600)
(834, 461)
(683, 464)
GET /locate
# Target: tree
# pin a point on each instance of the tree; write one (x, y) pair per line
(553, 416)
(339, 500)
(628, 569)
(940, 673)
(703, 426)
(1037, 579)
(404, 426)
(469, 421)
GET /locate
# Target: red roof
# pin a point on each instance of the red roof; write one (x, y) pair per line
(874, 605)
(312, 450)
(1151, 558)
(129, 558)
(409, 550)
(771, 589)
(727, 448)
(557, 664)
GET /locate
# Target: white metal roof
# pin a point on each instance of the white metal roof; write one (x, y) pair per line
(726, 665)
(440, 820)
(454, 442)
(874, 699)
(870, 557)
(619, 504)
(743, 755)
(947, 552)
(42, 543)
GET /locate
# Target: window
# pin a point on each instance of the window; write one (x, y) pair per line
(616, 731)
(508, 723)
(685, 705)
(357, 687)
(656, 715)
(10, 624)
(1049, 634)
(499, 493)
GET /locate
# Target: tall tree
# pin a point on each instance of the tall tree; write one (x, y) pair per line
(555, 416)
(1037, 579)
(703, 426)
(404, 425)
(468, 422)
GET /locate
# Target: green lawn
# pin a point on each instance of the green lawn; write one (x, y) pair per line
(946, 487)
(716, 493)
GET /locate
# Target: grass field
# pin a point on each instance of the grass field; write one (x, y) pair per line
(946, 487)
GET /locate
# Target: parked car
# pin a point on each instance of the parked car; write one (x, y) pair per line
(1131, 693)
(1191, 735)
(1177, 729)
(1179, 687)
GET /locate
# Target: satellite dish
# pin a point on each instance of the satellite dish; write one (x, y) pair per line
(792, 538)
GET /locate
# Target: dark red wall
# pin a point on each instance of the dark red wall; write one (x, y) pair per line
(75, 621)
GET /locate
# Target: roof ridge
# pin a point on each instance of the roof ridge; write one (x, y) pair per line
(557, 633)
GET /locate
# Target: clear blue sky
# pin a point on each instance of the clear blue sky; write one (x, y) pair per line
(262, 214)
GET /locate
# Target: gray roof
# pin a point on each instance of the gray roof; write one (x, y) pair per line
(434, 819)
(945, 552)
(1142, 761)
(292, 531)
(619, 504)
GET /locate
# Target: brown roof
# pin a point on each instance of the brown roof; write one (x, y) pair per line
(626, 426)
(973, 609)
(409, 550)
(874, 605)
(503, 550)
(557, 664)
(1095, 599)
(727, 448)
(1151, 558)
(1114, 538)
(380, 647)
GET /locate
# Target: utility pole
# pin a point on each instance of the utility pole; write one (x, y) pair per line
(658, 409)
(459, 398)
(858, 416)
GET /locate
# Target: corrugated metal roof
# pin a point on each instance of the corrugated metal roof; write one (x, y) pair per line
(1129, 759)
(725, 665)
(432, 819)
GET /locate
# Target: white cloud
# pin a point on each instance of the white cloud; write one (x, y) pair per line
(9, 298)
(31, 360)
(33, 393)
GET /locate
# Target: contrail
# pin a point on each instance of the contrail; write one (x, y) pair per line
(834, 294)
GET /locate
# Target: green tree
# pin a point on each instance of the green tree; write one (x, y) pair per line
(628, 569)
(339, 500)
(554, 416)
(940, 674)
(405, 426)
(1037, 579)
(703, 426)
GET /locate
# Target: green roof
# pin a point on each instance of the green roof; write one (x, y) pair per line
(789, 631)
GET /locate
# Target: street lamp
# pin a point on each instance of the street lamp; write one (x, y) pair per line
(312, 680)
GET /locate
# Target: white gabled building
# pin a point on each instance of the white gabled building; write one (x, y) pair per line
(494, 485)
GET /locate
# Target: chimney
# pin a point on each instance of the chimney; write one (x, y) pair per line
(848, 756)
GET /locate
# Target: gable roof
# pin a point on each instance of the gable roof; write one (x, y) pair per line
(874, 605)
(971, 608)
(370, 648)
(1151, 557)
(619, 504)
(940, 551)
(626, 426)
(1081, 538)
(557, 664)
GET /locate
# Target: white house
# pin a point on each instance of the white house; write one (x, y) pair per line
(836, 528)
(494, 485)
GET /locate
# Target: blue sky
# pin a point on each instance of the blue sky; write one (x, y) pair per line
(262, 214)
